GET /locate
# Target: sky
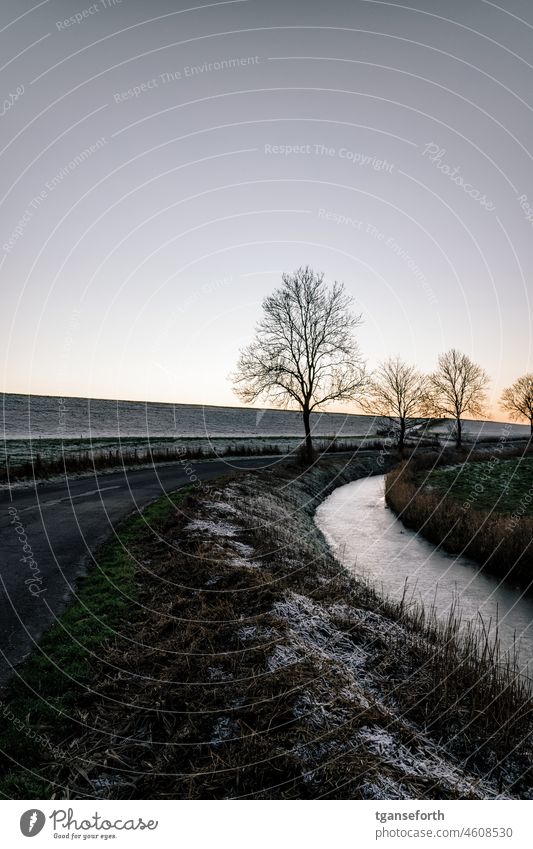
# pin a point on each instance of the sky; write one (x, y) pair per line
(164, 163)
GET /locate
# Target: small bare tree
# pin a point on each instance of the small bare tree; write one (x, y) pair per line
(517, 400)
(304, 353)
(458, 386)
(397, 393)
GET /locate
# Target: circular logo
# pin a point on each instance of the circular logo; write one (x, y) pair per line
(32, 822)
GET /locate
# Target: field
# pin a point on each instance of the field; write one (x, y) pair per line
(501, 486)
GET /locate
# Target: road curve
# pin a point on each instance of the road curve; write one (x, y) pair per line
(49, 534)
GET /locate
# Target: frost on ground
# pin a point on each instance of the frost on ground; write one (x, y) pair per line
(311, 627)
(214, 529)
(422, 760)
(342, 712)
(262, 669)
(313, 634)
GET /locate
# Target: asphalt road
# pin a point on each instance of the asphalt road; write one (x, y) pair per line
(50, 533)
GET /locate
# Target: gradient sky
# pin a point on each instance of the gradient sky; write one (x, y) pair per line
(139, 271)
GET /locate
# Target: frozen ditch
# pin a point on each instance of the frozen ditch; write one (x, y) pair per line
(371, 542)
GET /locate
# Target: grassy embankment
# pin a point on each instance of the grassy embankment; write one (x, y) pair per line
(482, 508)
(218, 650)
(26, 460)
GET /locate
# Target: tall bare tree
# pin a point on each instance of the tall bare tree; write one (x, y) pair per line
(517, 400)
(458, 386)
(396, 392)
(304, 353)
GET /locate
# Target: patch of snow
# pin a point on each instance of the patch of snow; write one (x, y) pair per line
(374, 621)
(314, 633)
(212, 581)
(105, 782)
(240, 563)
(220, 507)
(313, 628)
(216, 529)
(256, 632)
(378, 740)
(282, 657)
(243, 549)
(423, 762)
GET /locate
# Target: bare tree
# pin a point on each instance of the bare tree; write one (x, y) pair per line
(397, 392)
(304, 353)
(458, 386)
(517, 400)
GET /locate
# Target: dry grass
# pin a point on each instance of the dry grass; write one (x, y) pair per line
(494, 539)
(253, 665)
(96, 460)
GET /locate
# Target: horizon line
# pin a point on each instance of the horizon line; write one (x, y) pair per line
(235, 407)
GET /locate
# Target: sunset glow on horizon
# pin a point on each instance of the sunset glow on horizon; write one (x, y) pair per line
(163, 171)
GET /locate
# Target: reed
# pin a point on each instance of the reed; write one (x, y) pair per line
(499, 542)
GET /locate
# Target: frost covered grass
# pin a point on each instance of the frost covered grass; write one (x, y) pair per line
(481, 506)
(45, 458)
(251, 664)
(22, 459)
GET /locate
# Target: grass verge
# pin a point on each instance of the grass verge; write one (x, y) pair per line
(43, 705)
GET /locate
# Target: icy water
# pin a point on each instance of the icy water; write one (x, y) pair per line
(31, 417)
(370, 541)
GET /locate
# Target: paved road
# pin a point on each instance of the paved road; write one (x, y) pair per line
(48, 536)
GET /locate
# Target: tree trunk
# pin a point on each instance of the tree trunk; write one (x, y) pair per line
(531, 427)
(459, 437)
(401, 437)
(308, 439)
